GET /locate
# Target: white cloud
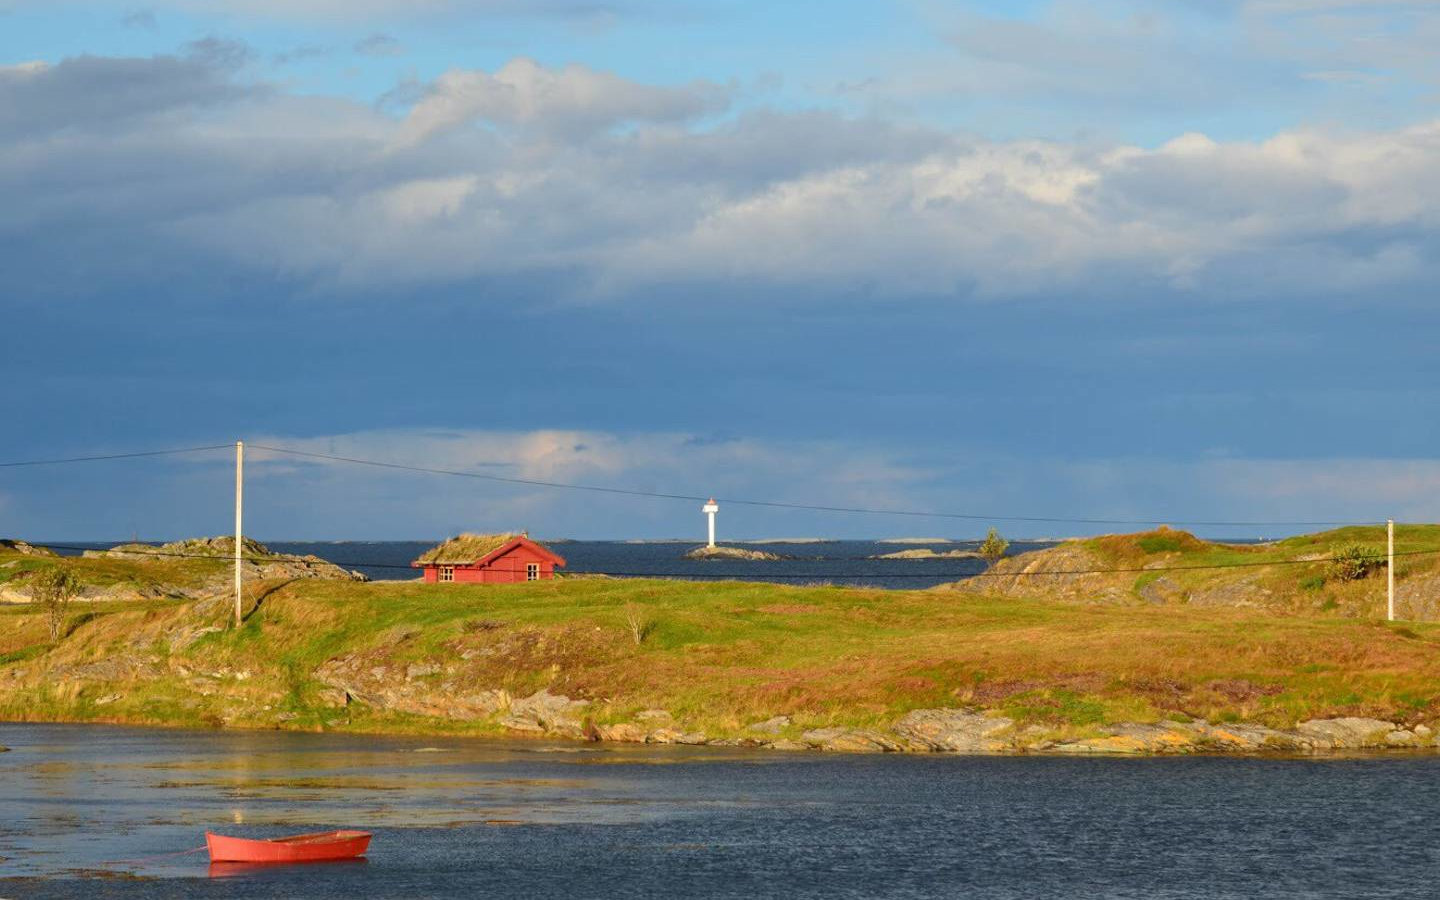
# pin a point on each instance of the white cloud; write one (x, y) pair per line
(196, 172)
(572, 101)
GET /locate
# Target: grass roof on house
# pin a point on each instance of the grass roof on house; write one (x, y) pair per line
(465, 548)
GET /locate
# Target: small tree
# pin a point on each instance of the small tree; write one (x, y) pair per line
(53, 589)
(639, 624)
(994, 547)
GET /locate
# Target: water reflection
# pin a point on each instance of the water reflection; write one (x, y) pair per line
(539, 819)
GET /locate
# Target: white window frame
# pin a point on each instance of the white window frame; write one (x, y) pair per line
(447, 574)
(532, 571)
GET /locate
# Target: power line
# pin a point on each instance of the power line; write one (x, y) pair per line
(773, 504)
(80, 459)
(809, 575)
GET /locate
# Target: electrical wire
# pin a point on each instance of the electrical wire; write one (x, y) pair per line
(774, 504)
(659, 495)
(768, 576)
(80, 459)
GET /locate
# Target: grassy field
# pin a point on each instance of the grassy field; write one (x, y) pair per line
(718, 656)
(1295, 575)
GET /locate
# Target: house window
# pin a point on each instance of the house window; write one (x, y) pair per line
(532, 571)
(447, 573)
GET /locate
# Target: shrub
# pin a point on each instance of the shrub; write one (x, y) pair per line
(1353, 562)
(1312, 582)
(637, 623)
(994, 547)
(53, 590)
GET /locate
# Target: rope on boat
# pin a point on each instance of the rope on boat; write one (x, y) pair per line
(146, 859)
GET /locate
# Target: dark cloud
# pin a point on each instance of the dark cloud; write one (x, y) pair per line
(91, 93)
(598, 188)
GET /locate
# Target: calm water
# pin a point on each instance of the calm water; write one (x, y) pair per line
(841, 562)
(571, 821)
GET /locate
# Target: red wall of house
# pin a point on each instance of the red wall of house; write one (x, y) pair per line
(507, 569)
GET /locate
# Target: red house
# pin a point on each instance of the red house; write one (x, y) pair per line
(488, 559)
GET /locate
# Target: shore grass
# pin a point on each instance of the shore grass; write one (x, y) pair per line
(717, 656)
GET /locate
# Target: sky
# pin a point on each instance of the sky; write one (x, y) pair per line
(1171, 261)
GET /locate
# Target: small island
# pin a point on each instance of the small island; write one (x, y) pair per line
(927, 553)
(731, 553)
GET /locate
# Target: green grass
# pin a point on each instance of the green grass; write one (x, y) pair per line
(723, 655)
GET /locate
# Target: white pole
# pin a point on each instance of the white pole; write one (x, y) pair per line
(239, 524)
(1390, 570)
(710, 509)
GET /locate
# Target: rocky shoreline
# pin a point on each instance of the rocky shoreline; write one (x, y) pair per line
(354, 684)
(946, 730)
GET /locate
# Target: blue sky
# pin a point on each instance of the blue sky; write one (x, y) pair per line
(1115, 260)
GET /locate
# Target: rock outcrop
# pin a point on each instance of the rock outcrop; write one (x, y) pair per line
(25, 549)
(954, 730)
(927, 553)
(257, 560)
(731, 553)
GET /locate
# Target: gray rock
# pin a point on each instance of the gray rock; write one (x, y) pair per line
(334, 697)
(546, 713)
(954, 730)
(350, 679)
(1243, 738)
(786, 744)
(420, 670)
(625, 732)
(773, 725)
(654, 715)
(851, 740)
(1346, 733)
(731, 553)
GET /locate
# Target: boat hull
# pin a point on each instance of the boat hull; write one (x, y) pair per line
(320, 847)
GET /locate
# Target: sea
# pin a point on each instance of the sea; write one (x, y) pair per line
(804, 562)
(99, 812)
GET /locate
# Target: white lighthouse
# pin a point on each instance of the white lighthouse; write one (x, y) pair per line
(710, 509)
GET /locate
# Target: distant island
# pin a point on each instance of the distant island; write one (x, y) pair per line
(732, 553)
(927, 553)
(914, 540)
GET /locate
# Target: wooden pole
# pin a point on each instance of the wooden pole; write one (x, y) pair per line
(1390, 570)
(239, 525)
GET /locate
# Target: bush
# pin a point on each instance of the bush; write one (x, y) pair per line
(994, 547)
(53, 590)
(1353, 562)
(1312, 582)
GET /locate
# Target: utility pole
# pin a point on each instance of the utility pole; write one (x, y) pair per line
(1390, 570)
(239, 524)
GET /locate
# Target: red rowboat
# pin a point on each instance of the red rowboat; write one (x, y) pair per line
(325, 845)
